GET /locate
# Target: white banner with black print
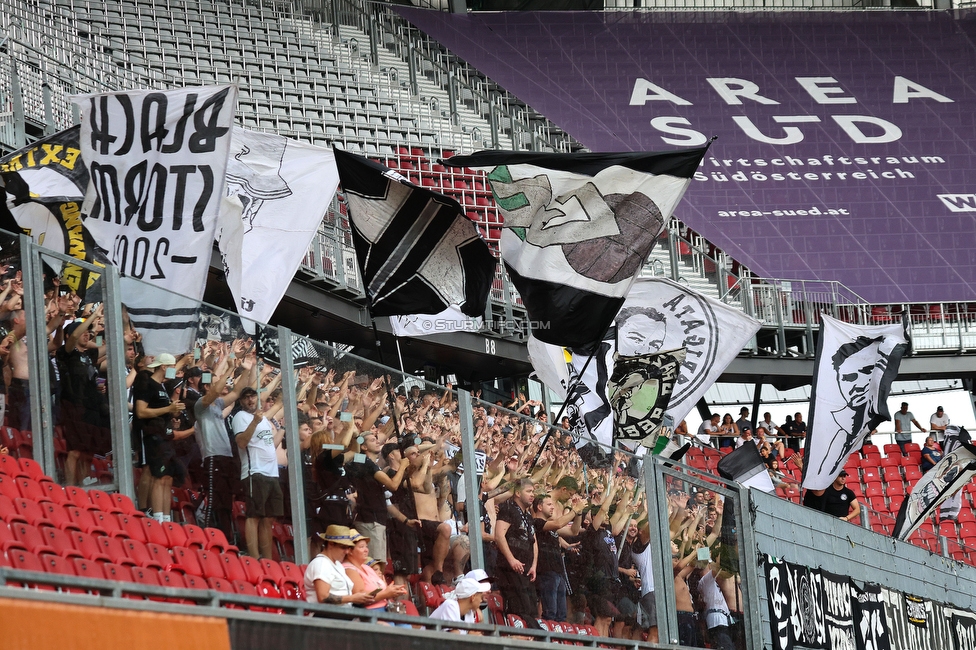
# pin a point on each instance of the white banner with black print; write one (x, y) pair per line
(157, 161)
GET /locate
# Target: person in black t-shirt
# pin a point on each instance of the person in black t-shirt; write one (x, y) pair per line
(371, 483)
(153, 416)
(551, 583)
(837, 500)
(519, 553)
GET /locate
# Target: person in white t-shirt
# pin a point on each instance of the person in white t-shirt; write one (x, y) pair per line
(708, 429)
(938, 423)
(258, 438)
(326, 580)
(463, 603)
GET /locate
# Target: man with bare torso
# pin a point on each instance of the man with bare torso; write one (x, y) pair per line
(435, 534)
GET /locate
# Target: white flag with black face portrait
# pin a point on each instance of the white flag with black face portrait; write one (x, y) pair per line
(853, 371)
(156, 163)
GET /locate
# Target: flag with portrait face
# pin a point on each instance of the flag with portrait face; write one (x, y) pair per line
(853, 371)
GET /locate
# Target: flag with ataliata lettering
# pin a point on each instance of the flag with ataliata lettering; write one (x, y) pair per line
(853, 370)
(578, 228)
(417, 251)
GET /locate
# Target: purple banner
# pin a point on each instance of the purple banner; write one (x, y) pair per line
(846, 150)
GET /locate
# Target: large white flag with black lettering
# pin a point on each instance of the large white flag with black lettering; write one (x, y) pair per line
(853, 371)
(156, 162)
(278, 192)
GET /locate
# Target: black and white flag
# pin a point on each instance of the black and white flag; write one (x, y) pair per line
(949, 475)
(795, 598)
(746, 466)
(417, 251)
(870, 621)
(278, 191)
(156, 162)
(854, 368)
(639, 390)
(578, 228)
(45, 185)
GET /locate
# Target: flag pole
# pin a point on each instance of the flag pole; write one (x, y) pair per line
(386, 384)
(569, 391)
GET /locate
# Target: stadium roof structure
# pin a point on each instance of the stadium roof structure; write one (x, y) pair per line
(846, 141)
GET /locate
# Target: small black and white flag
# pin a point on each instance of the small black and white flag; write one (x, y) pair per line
(417, 251)
(578, 229)
(949, 475)
(746, 466)
(854, 368)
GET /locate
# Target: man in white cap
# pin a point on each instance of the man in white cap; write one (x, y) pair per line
(154, 411)
(462, 604)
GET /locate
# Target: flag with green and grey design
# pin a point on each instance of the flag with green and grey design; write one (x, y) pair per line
(578, 228)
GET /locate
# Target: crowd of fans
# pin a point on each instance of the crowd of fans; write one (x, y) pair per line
(564, 531)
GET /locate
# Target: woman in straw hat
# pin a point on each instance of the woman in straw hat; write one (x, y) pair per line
(325, 577)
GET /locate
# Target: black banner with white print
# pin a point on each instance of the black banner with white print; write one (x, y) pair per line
(815, 609)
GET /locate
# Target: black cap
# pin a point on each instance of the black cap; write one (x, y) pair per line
(938, 408)
(195, 371)
(842, 473)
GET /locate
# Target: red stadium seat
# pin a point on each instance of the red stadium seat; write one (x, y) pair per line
(133, 527)
(870, 450)
(890, 474)
(912, 472)
(60, 541)
(87, 546)
(32, 512)
(870, 474)
(878, 503)
(78, 497)
(895, 488)
(53, 492)
(196, 537)
(8, 487)
(272, 570)
(218, 541)
(873, 489)
(195, 582)
(967, 529)
(892, 449)
(117, 572)
(10, 466)
(154, 532)
(138, 554)
(894, 503)
(8, 539)
(233, 570)
(430, 597)
(292, 572)
(88, 569)
(161, 554)
(114, 549)
(109, 522)
(948, 529)
(187, 560)
(913, 447)
(125, 504)
(103, 501)
(174, 533)
(30, 489)
(31, 538)
(210, 564)
(84, 520)
(252, 568)
(32, 469)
